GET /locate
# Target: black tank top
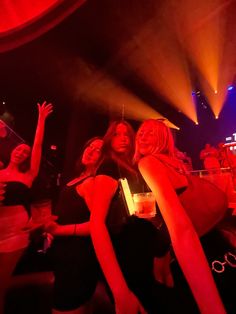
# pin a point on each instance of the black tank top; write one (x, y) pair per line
(71, 207)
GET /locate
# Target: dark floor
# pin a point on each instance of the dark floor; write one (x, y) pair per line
(27, 296)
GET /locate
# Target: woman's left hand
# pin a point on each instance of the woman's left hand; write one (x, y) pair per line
(44, 110)
(52, 227)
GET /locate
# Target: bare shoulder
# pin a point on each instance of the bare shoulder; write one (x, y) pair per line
(149, 162)
(85, 187)
(105, 185)
(102, 178)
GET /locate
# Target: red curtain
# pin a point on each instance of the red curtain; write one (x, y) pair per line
(23, 20)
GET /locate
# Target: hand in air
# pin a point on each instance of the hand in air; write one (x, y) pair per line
(44, 110)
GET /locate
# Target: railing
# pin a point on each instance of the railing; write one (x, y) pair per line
(203, 172)
(224, 178)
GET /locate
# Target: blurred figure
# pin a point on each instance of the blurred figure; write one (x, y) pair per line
(227, 160)
(185, 159)
(209, 156)
(223, 155)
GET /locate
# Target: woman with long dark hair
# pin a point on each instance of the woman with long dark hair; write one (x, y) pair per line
(74, 261)
(125, 246)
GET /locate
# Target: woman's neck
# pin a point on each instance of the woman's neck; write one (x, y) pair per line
(123, 161)
(88, 171)
(12, 167)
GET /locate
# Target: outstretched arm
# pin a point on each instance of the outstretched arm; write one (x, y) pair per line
(82, 229)
(125, 301)
(185, 241)
(44, 111)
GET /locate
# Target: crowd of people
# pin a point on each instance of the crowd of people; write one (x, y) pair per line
(214, 158)
(94, 236)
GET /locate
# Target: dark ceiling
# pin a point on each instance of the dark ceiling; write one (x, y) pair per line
(77, 53)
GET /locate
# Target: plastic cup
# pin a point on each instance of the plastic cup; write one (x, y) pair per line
(144, 204)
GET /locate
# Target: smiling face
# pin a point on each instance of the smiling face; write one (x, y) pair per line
(121, 140)
(154, 137)
(92, 153)
(20, 153)
(146, 140)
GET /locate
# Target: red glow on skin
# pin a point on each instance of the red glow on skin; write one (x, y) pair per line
(121, 140)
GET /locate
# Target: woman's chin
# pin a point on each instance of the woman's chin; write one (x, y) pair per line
(143, 152)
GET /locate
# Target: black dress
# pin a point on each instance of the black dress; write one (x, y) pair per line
(74, 261)
(136, 242)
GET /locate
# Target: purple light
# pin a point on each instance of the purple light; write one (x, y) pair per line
(230, 87)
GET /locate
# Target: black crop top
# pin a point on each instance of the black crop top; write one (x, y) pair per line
(16, 193)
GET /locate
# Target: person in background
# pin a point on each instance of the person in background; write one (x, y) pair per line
(209, 156)
(166, 177)
(223, 156)
(227, 159)
(184, 158)
(16, 180)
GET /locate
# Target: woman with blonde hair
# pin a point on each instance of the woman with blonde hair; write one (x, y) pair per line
(166, 177)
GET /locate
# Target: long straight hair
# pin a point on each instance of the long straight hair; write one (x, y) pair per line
(124, 160)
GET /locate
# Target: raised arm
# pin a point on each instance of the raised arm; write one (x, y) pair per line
(125, 301)
(44, 111)
(185, 241)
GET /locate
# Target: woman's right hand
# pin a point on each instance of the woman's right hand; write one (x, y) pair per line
(128, 303)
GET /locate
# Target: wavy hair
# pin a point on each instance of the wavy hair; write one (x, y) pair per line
(164, 142)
